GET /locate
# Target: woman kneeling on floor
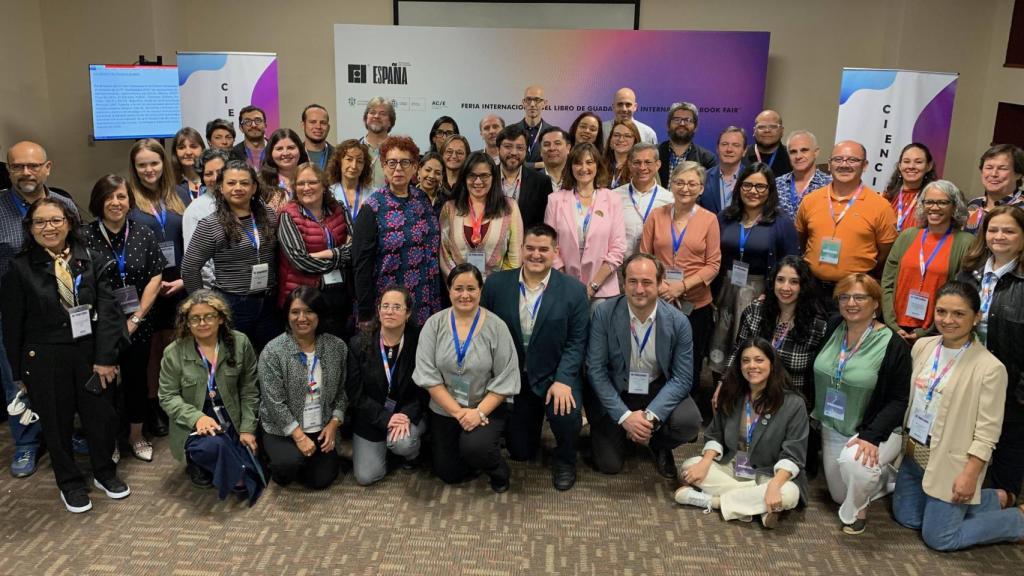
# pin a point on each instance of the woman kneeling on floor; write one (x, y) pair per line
(761, 427)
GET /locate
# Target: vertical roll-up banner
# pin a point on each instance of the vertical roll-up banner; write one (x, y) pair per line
(220, 84)
(887, 109)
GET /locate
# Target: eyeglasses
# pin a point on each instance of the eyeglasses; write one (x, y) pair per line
(858, 298)
(453, 153)
(404, 163)
(685, 121)
(767, 127)
(642, 163)
(253, 122)
(478, 177)
(445, 133)
(532, 100)
(621, 135)
(204, 319)
(56, 222)
(840, 160)
(24, 167)
(748, 186)
(392, 307)
(937, 203)
(687, 185)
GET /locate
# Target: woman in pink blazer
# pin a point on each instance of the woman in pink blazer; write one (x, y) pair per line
(589, 221)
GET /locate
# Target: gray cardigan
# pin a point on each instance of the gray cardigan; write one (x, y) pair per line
(779, 443)
(284, 387)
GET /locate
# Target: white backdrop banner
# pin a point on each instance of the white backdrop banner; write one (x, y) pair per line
(219, 84)
(887, 109)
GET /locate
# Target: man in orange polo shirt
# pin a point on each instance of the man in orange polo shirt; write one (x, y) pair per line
(845, 227)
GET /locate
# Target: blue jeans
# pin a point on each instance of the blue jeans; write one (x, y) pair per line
(256, 316)
(24, 436)
(947, 527)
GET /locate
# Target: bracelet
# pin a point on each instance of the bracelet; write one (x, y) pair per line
(483, 418)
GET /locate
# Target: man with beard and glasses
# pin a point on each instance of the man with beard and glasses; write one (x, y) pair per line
(682, 126)
(523, 184)
(253, 148)
(379, 119)
(767, 145)
(316, 125)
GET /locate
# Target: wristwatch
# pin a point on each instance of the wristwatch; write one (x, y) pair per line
(652, 418)
(594, 287)
(483, 418)
(135, 319)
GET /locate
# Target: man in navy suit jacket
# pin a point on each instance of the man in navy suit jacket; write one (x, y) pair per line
(640, 364)
(547, 313)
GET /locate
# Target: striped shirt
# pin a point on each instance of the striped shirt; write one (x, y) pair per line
(232, 261)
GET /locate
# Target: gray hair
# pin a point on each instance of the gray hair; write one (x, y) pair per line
(641, 147)
(682, 106)
(953, 193)
(380, 101)
(689, 166)
(210, 154)
(795, 133)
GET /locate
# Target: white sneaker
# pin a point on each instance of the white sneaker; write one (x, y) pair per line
(143, 450)
(688, 496)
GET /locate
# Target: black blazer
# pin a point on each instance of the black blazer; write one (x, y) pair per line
(696, 153)
(533, 197)
(558, 342)
(367, 385)
(33, 313)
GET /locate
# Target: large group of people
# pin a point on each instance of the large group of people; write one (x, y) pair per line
(261, 303)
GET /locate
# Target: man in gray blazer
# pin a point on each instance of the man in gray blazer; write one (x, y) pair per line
(640, 365)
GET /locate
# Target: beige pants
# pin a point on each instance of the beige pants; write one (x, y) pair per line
(739, 498)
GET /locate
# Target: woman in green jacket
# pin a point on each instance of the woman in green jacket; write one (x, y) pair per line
(208, 389)
(923, 259)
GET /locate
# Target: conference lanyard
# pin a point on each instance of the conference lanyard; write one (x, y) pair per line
(161, 218)
(849, 204)
(211, 368)
(254, 238)
(771, 159)
(314, 386)
(901, 214)
(389, 370)
(322, 162)
(751, 421)
(640, 344)
(327, 231)
(477, 224)
(845, 356)
(74, 289)
(796, 198)
(515, 188)
(353, 210)
(536, 136)
(650, 204)
(586, 219)
(744, 235)
(463, 348)
(536, 303)
(723, 197)
(120, 256)
(935, 370)
(781, 336)
(677, 241)
(921, 262)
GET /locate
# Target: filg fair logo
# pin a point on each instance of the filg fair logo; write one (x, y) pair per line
(397, 73)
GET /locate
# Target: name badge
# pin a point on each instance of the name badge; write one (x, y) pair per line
(639, 382)
(685, 307)
(742, 468)
(740, 271)
(260, 277)
(477, 258)
(390, 405)
(312, 414)
(921, 426)
(128, 298)
(835, 404)
(81, 321)
(830, 251)
(333, 277)
(917, 305)
(673, 275)
(167, 248)
(460, 390)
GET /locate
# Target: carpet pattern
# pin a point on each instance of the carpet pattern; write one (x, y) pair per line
(412, 524)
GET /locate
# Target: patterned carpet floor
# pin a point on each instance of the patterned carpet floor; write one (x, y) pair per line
(412, 524)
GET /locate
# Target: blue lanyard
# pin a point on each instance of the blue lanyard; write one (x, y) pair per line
(792, 191)
(937, 377)
(901, 215)
(751, 421)
(314, 386)
(845, 355)
(254, 237)
(590, 213)
(636, 339)
(924, 264)
(461, 349)
(352, 210)
(849, 204)
(389, 370)
(74, 289)
(744, 235)
(161, 218)
(536, 304)
(536, 137)
(654, 194)
(121, 261)
(988, 288)
(771, 159)
(211, 382)
(677, 241)
(327, 231)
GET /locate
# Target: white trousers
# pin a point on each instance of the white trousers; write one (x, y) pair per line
(739, 498)
(851, 484)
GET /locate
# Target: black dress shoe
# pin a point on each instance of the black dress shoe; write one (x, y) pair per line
(500, 478)
(665, 463)
(563, 476)
(158, 422)
(200, 478)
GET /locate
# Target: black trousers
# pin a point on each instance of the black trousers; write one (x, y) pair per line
(287, 464)
(526, 421)
(55, 376)
(608, 439)
(1006, 469)
(702, 322)
(458, 453)
(135, 381)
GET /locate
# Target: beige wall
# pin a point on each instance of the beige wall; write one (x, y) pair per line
(45, 92)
